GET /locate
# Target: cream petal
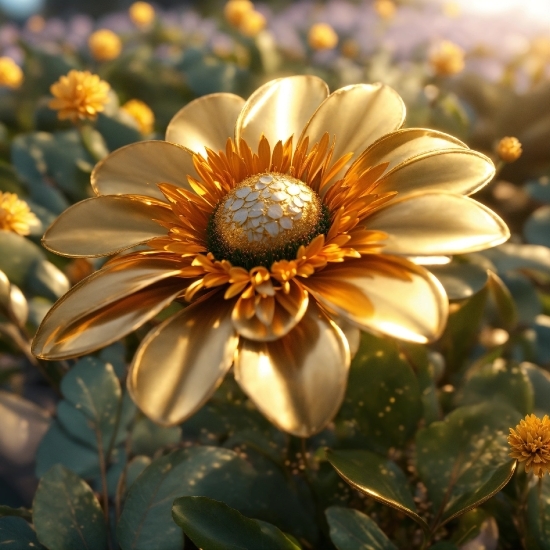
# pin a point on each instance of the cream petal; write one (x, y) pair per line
(396, 147)
(180, 363)
(280, 109)
(434, 223)
(453, 170)
(415, 310)
(105, 225)
(351, 332)
(107, 305)
(136, 169)
(357, 115)
(289, 310)
(298, 382)
(205, 122)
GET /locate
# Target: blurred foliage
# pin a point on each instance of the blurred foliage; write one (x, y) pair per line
(417, 456)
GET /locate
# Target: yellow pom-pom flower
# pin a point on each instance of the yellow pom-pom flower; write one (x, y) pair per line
(385, 9)
(236, 10)
(447, 59)
(322, 36)
(509, 149)
(142, 14)
(15, 214)
(285, 223)
(530, 444)
(104, 45)
(252, 23)
(11, 75)
(142, 113)
(79, 95)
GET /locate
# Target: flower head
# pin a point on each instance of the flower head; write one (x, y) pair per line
(104, 45)
(252, 23)
(236, 10)
(285, 226)
(79, 95)
(385, 9)
(322, 36)
(509, 149)
(447, 59)
(15, 214)
(530, 443)
(142, 14)
(142, 113)
(11, 74)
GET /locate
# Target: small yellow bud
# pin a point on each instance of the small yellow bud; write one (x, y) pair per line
(15, 214)
(385, 9)
(104, 45)
(252, 23)
(36, 23)
(236, 10)
(11, 75)
(142, 14)
(509, 149)
(447, 59)
(322, 37)
(141, 112)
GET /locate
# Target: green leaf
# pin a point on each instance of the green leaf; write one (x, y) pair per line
(352, 530)
(504, 302)
(383, 395)
(19, 512)
(505, 382)
(44, 279)
(538, 514)
(18, 256)
(512, 257)
(213, 525)
(526, 298)
(116, 132)
(377, 477)
(462, 330)
(540, 381)
(460, 280)
(463, 461)
(216, 473)
(539, 190)
(66, 513)
(147, 437)
(17, 534)
(92, 387)
(537, 227)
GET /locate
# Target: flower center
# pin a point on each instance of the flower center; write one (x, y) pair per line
(266, 218)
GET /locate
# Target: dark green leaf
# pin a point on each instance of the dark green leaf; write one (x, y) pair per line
(377, 477)
(460, 280)
(18, 256)
(526, 298)
(464, 460)
(19, 512)
(538, 513)
(17, 534)
(44, 279)
(383, 395)
(352, 530)
(213, 525)
(66, 514)
(147, 437)
(504, 302)
(116, 132)
(540, 381)
(539, 190)
(537, 227)
(505, 382)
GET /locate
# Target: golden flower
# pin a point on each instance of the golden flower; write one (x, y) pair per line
(509, 149)
(104, 45)
(447, 59)
(15, 214)
(79, 95)
(285, 222)
(322, 36)
(252, 23)
(236, 10)
(385, 9)
(11, 74)
(142, 113)
(142, 14)
(530, 443)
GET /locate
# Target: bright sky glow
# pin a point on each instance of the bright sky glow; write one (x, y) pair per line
(533, 9)
(21, 8)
